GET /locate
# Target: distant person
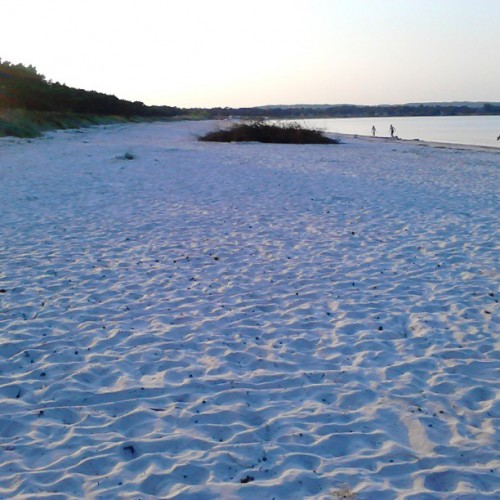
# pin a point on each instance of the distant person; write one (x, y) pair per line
(392, 130)
(498, 138)
(374, 131)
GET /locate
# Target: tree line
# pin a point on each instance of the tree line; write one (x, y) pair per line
(354, 111)
(23, 87)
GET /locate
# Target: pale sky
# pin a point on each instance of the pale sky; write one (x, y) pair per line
(207, 53)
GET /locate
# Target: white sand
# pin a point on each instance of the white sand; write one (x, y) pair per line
(321, 319)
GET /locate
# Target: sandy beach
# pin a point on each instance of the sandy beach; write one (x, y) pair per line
(246, 320)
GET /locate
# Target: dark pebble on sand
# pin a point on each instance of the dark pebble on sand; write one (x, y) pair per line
(130, 449)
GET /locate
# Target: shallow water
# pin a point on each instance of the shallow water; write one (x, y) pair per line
(474, 130)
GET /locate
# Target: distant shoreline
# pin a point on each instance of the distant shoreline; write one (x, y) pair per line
(418, 142)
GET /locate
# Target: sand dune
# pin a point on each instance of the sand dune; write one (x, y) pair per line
(246, 320)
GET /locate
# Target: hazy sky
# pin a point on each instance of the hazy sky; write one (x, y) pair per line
(246, 53)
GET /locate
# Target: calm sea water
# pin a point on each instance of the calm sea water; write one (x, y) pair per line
(474, 130)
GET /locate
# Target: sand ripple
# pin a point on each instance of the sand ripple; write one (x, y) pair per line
(247, 321)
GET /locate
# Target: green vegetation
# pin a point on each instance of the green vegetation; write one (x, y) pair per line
(351, 111)
(258, 131)
(23, 123)
(30, 105)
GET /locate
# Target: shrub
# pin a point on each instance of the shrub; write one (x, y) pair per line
(258, 131)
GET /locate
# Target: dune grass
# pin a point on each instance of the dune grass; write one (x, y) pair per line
(259, 131)
(25, 123)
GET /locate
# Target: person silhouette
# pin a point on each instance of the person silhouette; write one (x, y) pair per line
(374, 130)
(498, 138)
(392, 130)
